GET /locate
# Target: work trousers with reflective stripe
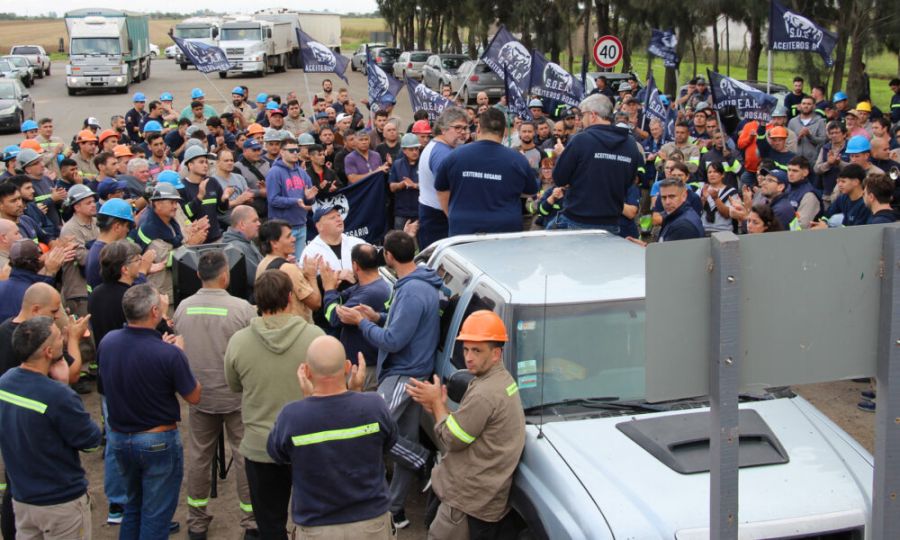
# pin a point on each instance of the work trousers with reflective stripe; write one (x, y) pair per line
(409, 456)
(203, 437)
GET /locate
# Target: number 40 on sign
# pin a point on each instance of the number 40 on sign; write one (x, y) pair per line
(607, 51)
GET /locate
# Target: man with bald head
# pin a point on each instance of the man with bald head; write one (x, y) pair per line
(334, 434)
(9, 233)
(242, 234)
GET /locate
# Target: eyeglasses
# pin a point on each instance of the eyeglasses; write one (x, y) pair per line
(292, 150)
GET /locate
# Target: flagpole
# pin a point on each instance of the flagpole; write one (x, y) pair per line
(769, 70)
(205, 76)
(308, 95)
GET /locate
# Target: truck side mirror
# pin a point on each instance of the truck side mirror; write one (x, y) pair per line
(268, 32)
(215, 33)
(130, 44)
(457, 384)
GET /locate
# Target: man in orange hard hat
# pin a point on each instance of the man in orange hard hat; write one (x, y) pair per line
(484, 438)
(87, 150)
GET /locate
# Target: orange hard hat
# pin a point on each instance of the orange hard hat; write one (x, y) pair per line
(483, 325)
(421, 127)
(255, 128)
(778, 132)
(31, 143)
(105, 134)
(121, 150)
(86, 135)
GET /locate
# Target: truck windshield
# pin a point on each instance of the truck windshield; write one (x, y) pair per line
(591, 350)
(239, 34)
(192, 33)
(95, 46)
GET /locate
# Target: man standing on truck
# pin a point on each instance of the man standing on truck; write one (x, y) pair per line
(484, 437)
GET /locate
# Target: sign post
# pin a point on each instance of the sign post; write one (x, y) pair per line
(607, 51)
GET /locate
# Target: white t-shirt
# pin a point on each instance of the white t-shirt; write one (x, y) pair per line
(427, 193)
(319, 247)
(720, 223)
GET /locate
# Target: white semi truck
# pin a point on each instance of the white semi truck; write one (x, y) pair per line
(108, 48)
(203, 30)
(258, 46)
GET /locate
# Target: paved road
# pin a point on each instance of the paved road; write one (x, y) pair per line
(69, 112)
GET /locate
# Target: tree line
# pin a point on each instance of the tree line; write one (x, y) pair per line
(863, 27)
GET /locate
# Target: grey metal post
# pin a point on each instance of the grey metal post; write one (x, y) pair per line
(724, 373)
(885, 506)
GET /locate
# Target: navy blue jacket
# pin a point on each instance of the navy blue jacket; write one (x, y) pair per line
(783, 209)
(44, 425)
(153, 228)
(408, 342)
(881, 217)
(13, 290)
(599, 165)
(406, 201)
(374, 295)
(682, 224)
(212, 205)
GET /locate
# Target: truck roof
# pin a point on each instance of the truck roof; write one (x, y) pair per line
(99, 12)
(583, 266)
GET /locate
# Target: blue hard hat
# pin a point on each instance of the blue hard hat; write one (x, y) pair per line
(262, 98)
(170, 177)
(197, 93)
(139, 96)
(10, 152)
(272, 106)
(839, 96)
(152, 126)
(237, 90)
(858, 144)
(166, 96)
(664, 99)
(117, 208)
(29, 125)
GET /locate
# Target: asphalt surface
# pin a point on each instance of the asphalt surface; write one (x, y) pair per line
(69, 112)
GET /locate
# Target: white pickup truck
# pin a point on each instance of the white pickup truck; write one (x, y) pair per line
(36, 55)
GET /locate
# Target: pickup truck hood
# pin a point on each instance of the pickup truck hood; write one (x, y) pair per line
(826, 484)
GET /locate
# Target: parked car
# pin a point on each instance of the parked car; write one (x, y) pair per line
(171, 51)
(440, 68)
(410, 64)
(16, 104)
(9, 71)
(154, 50)
(475, 76)
(23, 65)
(36, 55)
(612, 79)
(358, 60)
(600, 462)
(386, 57)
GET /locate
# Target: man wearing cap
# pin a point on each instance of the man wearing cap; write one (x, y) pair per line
(254, 168)
(115, 220)
(480, 186)
(854, 125)
(9, 160)
(123, 155)
(207, 320)
(484, 437)
(272, 142)
(45, 425)
(841, 103)
(45, 193)
(29, 129)
(772, 144)
(536, 106)
(201, 195)
(274, 115)
(134, 118)
(244, 114)
(295, 122)
(197, 96)
(859, 149)
(331, 244)
(403, 182)
(774, 186)
(290, 191)
(87, 149)
(108, 140)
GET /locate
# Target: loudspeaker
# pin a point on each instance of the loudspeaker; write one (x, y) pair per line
(184, 270)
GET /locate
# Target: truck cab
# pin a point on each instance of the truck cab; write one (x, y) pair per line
(107, 49)
(256, 46)
(600, 462)
(198, 29)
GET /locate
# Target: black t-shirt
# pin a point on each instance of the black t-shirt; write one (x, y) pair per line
(336, 249)
(105, 307)
(7, 359)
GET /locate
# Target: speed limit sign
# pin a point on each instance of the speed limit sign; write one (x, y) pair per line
(607, 51)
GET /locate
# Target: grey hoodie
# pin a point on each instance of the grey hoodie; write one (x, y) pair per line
(261, 362)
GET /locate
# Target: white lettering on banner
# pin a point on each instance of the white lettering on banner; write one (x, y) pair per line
(792, 46)
(484, 176)
(361, 232)
(612, 157)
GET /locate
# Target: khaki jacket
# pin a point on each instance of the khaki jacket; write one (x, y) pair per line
(484, 439)
(74, 284)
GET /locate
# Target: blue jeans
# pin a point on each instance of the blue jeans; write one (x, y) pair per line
(152, 465)
(299, 234)
(561, 221)
(113, 483)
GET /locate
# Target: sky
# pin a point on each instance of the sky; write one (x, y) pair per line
(232, 6)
